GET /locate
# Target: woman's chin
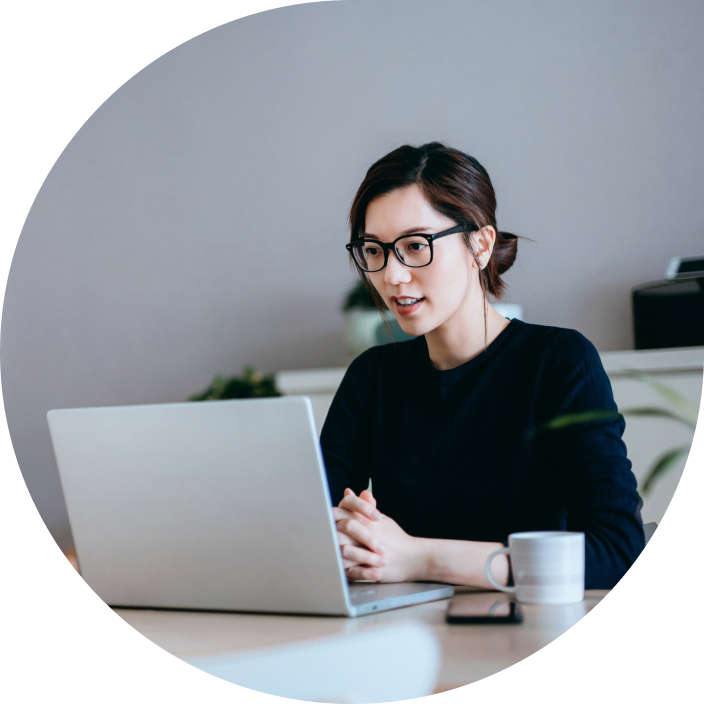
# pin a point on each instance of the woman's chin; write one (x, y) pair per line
(414, 328)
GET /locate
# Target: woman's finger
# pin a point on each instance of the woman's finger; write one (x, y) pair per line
(344, 539)
(356, 504)
(373, 574)
(353, 528)
(366, 495)
(340, 513)
(359, 556)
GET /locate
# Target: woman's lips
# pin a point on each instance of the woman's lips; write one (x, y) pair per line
(407, 309)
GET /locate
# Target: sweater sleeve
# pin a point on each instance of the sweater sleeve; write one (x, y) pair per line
(599, 488)
(346, 435)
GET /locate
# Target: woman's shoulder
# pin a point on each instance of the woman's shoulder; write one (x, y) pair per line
(557, 354)
(565, 361)
(556, 342)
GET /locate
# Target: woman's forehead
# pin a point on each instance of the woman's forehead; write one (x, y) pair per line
(400, 211)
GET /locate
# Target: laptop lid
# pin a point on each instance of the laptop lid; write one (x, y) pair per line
(210, 505)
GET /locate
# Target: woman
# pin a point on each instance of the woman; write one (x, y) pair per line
(447, 425)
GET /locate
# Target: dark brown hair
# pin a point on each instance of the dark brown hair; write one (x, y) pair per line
(456, 185)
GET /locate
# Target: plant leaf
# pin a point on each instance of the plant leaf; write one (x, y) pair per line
(251, 383)
(359, 298)
(655, 412)
(570, 419)
(663, 463)
(684, 405)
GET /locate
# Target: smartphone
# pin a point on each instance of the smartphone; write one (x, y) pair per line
(476, 608)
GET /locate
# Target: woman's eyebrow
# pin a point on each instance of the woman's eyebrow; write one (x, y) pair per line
(410, 231)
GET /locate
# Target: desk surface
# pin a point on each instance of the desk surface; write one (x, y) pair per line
(470, 652)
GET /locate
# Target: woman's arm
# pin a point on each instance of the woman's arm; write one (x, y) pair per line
(375, 547)
(344, 439)
(598, 486)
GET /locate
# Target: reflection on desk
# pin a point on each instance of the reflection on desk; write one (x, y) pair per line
(470, 652)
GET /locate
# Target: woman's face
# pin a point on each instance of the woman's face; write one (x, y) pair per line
(437, 295)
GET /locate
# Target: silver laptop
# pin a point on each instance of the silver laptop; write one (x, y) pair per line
(214, 505)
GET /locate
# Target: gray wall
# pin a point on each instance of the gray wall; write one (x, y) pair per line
(196, 222)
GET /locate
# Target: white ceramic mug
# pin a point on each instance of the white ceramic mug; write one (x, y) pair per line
(547, 566)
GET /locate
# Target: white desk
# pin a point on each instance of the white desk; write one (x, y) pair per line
(470, 652)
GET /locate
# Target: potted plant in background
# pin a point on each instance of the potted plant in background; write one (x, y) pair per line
(362, 318)
(365, 325)
(251, 384)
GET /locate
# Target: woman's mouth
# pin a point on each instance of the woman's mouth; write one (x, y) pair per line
(406, 306)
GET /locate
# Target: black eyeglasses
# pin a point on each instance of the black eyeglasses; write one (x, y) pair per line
(414, 251)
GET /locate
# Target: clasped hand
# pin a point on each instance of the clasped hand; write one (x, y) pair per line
(374, 546)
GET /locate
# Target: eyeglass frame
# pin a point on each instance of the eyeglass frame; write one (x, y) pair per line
(391, 246)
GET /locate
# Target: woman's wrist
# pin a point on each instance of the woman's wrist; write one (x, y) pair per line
(458, 562)
(426, 568)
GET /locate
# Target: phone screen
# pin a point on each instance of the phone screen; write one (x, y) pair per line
(483, 608)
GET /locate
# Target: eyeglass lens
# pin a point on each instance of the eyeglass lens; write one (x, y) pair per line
(413, 251)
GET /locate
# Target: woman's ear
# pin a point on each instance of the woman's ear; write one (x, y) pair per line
(483, 241)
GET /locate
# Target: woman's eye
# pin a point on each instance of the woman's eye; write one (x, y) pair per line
(417, 246)
(371, 251)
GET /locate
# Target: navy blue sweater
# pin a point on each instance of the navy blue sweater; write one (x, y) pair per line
(454, 454)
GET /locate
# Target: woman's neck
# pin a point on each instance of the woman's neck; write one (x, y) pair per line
(464, 337)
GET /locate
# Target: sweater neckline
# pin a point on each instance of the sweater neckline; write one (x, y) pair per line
(449, 376)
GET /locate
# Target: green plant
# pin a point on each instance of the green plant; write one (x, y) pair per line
(251, 384)
(685, 413)
(358, 298)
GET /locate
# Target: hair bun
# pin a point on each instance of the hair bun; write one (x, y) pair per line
(505, 250)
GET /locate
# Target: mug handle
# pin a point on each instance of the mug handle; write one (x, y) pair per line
(501, 551)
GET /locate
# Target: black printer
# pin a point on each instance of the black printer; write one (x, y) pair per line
(670, 313)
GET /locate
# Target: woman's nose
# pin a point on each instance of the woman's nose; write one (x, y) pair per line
(396, 273)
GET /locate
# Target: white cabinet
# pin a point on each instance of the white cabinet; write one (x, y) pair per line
(646, 438)
(319, 384)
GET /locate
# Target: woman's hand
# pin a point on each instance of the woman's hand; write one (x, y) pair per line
(353, 552)
(374, 546)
